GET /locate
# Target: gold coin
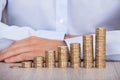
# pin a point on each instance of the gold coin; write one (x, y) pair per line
(27, 64)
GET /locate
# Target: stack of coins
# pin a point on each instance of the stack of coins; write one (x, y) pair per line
(88, 51)
(38, 62)
(63, 57)
(27, 64)
(100, 48)
(75, 55)
(50, 58)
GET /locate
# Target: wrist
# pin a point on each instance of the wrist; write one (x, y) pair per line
(69, 36)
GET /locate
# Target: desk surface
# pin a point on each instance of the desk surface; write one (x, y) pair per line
(112, 72)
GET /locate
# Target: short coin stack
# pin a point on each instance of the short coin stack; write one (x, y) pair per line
(62, 57)
(50, 59)
(88, 51)
(75, 55)
(100, 48)
(39, 62)
(27, 64)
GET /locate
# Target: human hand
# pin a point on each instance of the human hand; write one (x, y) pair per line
(28, 48)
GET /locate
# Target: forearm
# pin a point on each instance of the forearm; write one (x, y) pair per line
(112, 44)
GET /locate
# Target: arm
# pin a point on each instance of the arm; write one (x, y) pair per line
(13, 33)
(19, 33)
(3, 42)
(16, 32)
(112, 44)
(19, 41)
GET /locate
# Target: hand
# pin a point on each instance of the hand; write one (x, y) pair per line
(28, 48)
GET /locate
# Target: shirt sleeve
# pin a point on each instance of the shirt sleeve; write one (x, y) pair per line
(18, 33)
(112, 44)
(9, 34)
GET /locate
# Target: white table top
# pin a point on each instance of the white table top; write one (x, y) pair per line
(112, 72)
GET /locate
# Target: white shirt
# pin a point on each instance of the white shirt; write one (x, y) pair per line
(52, 19)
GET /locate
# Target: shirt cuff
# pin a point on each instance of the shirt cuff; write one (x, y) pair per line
(73, 40)
(4, 43)
(15, 33)
(19, 33)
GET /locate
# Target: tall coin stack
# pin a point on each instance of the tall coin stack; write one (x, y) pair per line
(75, 55)
(27, 64)
(39, 62)
(50, 58)
(62, 56)
(88, 51)
(100, 48)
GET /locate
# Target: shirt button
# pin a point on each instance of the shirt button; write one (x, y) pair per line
(61, 21)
